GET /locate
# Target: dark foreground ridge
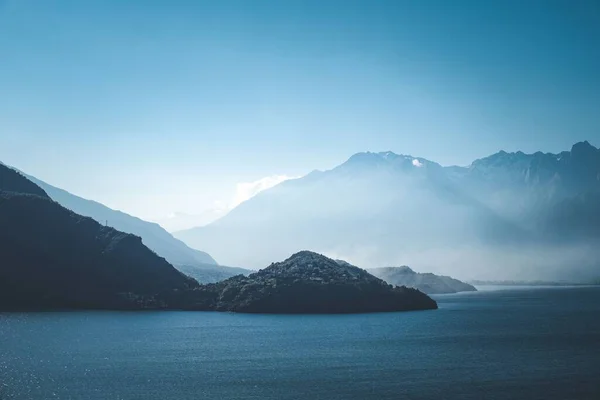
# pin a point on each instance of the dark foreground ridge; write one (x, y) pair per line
(52, 258)
(308, 283)
(426, 282)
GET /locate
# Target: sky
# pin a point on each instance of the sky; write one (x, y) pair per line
(162, 107)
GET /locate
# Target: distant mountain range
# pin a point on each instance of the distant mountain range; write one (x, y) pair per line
(506, 216)
(195, 263)
(426, 282)
(545, 192)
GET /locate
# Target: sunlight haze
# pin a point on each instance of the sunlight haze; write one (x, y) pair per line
(161, 107)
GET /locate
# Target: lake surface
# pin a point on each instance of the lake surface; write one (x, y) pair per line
(524, 343)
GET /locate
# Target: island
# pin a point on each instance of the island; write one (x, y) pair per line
(426, 282)
(305, 283)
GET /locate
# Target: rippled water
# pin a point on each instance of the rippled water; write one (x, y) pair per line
(541, 343)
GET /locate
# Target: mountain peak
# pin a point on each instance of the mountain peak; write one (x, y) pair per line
(388, 155)
(307, 256)
(308, 263)
(386, 158)
(363, 157)
(404, 269)
(583, 147)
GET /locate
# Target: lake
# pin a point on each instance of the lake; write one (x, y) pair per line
(522, 343)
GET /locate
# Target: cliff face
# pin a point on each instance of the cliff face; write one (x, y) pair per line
(425, 282)
(306, 283)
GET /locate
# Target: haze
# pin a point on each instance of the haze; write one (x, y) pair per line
(299, 199)
(157, 108)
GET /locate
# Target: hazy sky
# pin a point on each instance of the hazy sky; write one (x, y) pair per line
(156, 107)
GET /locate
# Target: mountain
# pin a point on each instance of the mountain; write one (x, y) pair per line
(575, 218)
(556, 196)
(372, 209)
(306, 282)
(13, 181)
(523, 187)
(210, 273)
(155, 237)
(507, 216)
(52, 258)
(426, 282)
(195, 263)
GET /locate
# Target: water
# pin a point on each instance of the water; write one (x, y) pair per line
(541, 343)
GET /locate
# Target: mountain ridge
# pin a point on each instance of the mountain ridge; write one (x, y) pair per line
(426, 282)
(198, 264)
(392, 209)
(54, 258)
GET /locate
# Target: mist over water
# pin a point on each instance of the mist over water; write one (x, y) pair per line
(570, 263)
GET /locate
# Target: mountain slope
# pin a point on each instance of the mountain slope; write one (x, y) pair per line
(14, 181)
(575, 218)
(371, 209)
(198, 264)
(521, 186)
(155, 237)
(485, 221)
(210, 273)
(307, 282)
(51, 258)
(426, 282)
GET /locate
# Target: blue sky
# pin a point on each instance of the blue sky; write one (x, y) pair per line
(154, 107)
